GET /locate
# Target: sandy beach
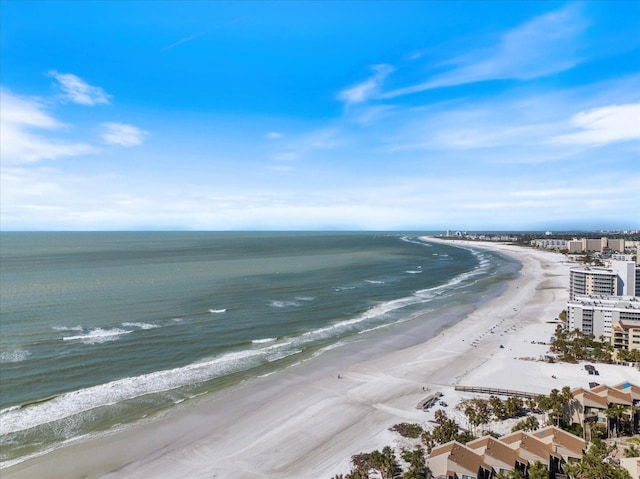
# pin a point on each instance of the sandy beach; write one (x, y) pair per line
(305, 422)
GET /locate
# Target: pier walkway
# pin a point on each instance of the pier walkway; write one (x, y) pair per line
(496, 391)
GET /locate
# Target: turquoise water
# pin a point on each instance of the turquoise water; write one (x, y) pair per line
(99, 329)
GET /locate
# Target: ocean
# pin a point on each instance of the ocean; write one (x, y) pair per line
(102, 330)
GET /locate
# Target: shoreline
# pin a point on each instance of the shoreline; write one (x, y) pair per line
(304, 422)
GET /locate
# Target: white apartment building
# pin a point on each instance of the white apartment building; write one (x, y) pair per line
(627, 277)
(596, 314)
(620, 279)
(550, 243)
(590, 280)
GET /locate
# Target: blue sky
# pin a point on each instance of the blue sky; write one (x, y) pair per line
(319, 115)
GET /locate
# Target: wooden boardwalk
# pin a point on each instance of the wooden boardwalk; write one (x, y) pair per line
(496, 391)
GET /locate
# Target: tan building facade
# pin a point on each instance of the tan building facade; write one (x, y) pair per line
(625, 334)
(486, 457)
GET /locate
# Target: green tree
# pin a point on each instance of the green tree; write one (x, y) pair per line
(594, 465)
(446, 432)
(614, 414)
(384, 462)
(568, 402)
(440, 417)
(405, 429)
(464, 437)
(417, 463)
(513, 474)
(428, 441)
(476, 410)
(528, 424)
(632, 451)
(537, 470)
(513, 406)
(556, 406)
(544, 404)
(497, 407)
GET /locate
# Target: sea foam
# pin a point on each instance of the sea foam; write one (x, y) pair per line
(77, 402)
(140, 325)
(15, 356)
(98, 335)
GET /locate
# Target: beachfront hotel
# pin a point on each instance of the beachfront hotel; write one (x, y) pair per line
(590, 280)
(619, 279)
(596, 315)
(600, 298)
(600, 245)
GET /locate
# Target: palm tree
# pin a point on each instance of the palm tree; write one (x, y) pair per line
(384, 462)
(567, 401)
(632, 410)
(544, 403)
(614, 413)
(556, 405)
(594, 465)
(537, 470)
(417, 463)
(513, 406)
(497, 406)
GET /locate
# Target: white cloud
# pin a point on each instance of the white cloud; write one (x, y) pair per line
(25, 111)
(545, 45)
(604, 125)
(367, 89)
(122, 134)
(19, 143)
(274, 135)
(76, 90)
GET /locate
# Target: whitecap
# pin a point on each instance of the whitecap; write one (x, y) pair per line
(98, 335)
(14, 356)
(218, 311)
(305, 298)
(283, 304)
(140, 325)
(262, 341)
(67, 328)
(411, 271)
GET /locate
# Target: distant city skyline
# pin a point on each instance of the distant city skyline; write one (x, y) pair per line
(433, 115)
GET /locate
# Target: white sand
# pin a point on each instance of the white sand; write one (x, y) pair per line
(305, 423)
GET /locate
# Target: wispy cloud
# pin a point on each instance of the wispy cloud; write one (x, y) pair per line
(604, 125)
(23, 123)
(181, 41)
(324, 139)
(274, 135)
(122, 134)
(76, 90)
(545, 45)
(368, 88)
